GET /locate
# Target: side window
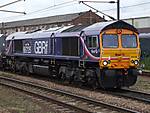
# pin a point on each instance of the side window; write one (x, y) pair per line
(18, 46)
(92, 41)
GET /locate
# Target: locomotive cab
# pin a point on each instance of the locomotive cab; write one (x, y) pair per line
(119, 51)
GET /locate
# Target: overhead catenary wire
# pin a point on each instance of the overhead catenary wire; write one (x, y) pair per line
(57, 6)
(77, 0)
(13, 11)
(37, 11)
(145, 3)
(98, 10)
(10, 3)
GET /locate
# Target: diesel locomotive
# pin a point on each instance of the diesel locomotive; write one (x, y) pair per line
(104, 54)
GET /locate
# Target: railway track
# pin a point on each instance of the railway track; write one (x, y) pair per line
(65, 100)
(145, 73)
(132, 94)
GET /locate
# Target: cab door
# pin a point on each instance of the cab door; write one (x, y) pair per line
(92, 43)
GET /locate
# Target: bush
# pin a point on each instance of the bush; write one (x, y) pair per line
(146, 62)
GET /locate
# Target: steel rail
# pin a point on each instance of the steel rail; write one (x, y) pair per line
(48, 98)
(85, 99)
(137, 95)
(130, 94)
(145, 73)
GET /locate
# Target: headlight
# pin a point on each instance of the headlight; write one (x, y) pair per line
(105, 63)
(136, 62)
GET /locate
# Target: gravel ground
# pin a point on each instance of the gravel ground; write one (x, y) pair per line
(141, 107)
(2, 110)
(142, 84)
(12, 101)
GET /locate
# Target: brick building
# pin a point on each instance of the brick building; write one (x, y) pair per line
(87, 17)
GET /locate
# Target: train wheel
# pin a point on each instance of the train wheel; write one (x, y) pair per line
(72, 79)
(92, 79)
(131, 78)
(59, 76)
(63, 76)
(25, 69)
(13, 67)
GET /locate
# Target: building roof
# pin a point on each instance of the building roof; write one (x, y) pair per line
(45, 20)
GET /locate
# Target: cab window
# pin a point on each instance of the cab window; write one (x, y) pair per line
(92, 41)
(129, 41)
(110, 41)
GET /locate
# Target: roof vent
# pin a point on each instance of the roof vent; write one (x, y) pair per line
(33, 31)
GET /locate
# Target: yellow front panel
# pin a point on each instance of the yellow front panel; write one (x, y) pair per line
(119, 57)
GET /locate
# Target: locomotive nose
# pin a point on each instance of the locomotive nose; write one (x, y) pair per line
(119, 59)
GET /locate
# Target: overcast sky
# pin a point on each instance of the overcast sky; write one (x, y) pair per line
(43, 8)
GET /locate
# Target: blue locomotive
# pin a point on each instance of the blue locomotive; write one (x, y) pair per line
(104, 54)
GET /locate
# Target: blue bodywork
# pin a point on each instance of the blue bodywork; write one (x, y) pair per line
(49, 44)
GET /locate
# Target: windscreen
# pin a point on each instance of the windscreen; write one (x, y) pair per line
(110, 41)
(129, 41)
